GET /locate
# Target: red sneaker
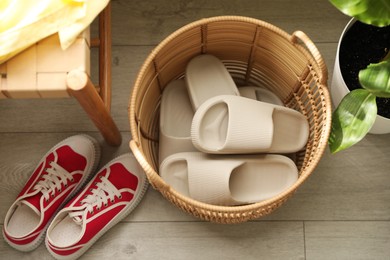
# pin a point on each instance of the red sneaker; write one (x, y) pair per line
(108, 198)
(60, 174)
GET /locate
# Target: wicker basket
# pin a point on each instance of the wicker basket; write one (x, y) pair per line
(255, 53)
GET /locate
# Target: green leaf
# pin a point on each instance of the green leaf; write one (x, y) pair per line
(352, 119)
(375, 12)
(376, 79)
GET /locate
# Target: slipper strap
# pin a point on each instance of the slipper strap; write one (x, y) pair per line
(250, 125)
(248, 92)
(208, 179)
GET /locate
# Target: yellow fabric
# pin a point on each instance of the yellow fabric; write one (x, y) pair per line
(25, 22)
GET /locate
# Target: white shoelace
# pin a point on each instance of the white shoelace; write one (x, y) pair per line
(55, 177)
(98, 197)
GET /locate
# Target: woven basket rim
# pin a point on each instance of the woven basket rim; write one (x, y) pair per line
(154, 177)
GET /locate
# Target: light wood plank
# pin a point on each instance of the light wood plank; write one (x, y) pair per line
(21, 72)
(351, 185)
(347, 240)
(170, 240)
(150, 22)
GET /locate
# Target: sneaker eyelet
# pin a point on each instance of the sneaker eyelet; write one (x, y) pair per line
(120, 196)
(105, 204)
(52, 195)
(101, 177)
(72, 180)
(65, 185)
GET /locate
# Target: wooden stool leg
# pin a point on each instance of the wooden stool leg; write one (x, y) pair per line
(80, 86)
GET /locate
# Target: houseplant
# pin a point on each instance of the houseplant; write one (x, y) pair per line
(357, 111)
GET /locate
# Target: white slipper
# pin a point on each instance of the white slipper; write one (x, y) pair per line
(260, 94)
(175, 120)
(229, 124)
(206, 77)
(228, 179)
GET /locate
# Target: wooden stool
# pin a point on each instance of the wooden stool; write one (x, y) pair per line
(44, 70)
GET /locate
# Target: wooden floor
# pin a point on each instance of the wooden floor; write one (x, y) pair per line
(341, 212)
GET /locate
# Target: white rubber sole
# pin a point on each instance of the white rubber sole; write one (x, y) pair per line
(93, 166)
(124, 213)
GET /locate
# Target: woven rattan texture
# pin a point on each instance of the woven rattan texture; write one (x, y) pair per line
(255, 53)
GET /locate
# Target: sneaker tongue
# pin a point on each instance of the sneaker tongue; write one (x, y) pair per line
(78, 215)
(33, 203)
